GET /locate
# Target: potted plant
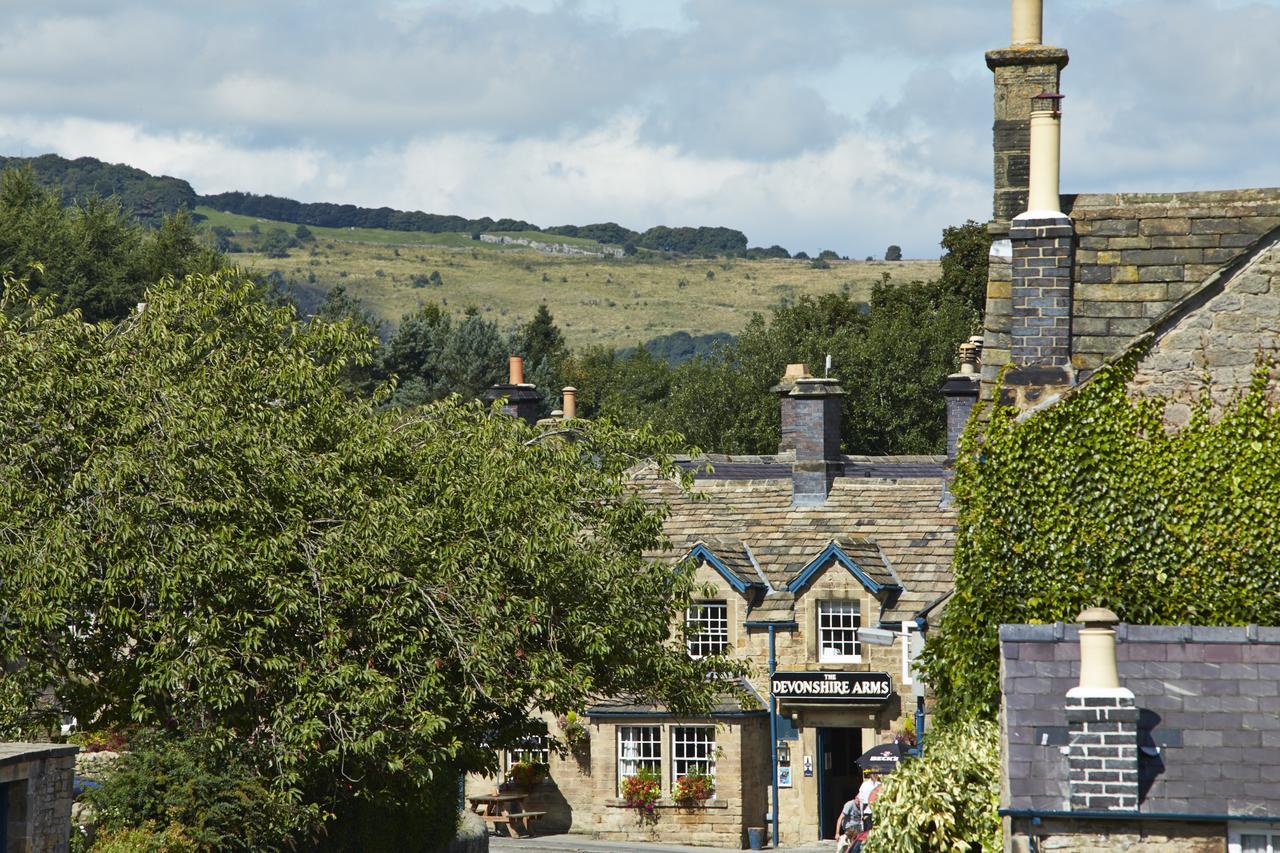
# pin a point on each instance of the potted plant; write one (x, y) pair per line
(641, 792)
(525, 774)
(694, 787)
(574, 732)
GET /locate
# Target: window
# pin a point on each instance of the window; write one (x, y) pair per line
(534, 750)
(1253, 838)
(708, 624)
(639, 748)
(693, 750)
(838, 632)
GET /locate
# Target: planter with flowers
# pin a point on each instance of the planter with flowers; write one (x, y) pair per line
(575, 733)
(694, 789)
(641, 792)
(525, 774)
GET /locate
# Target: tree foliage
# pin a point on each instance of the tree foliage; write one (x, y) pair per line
(206, 534)
(145, 198)
(891, 358)
(964, 264)
(1094, 502)
(90, 256)
(946, 800)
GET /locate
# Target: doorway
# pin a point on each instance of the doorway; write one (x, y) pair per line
(838, 774)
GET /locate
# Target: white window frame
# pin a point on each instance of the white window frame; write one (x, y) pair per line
(831, 613)
(1269, 831)
(711, 620)
(633, 744)
(693, 748)
(537, 749)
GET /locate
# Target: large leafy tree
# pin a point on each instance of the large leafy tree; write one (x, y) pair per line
(90, 256)
(202, 531)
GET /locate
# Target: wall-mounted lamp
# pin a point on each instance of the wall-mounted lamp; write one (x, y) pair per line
(876, 636)
(784, 754)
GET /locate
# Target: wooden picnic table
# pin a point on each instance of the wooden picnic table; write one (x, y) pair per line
(506, 810)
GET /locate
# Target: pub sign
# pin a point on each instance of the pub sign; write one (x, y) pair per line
(834, 687)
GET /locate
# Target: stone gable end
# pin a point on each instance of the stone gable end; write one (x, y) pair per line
(1215, 347)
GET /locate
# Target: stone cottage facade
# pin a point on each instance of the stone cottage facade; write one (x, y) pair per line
(1080, 279)
(803, 553)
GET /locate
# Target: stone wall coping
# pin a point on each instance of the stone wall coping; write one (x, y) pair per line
(1059, 631)
(1120, 201)
(16, 753)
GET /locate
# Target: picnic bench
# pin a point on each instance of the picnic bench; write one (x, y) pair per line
(507, 811)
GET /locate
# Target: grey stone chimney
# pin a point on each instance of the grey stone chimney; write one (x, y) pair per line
(521, 400)
(810, 414)
(960, 392)
(1102, 719)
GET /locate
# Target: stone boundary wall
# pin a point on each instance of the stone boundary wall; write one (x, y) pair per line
(553, 248)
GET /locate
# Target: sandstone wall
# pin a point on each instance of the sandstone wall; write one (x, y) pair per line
(1214, 347)
(1109, 836)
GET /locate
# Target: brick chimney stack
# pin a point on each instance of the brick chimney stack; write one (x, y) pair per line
(1102, 718)
(960, 392)
(520, 399)
(811, 411)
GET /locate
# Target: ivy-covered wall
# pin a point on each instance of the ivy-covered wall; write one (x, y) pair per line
(1094, 501)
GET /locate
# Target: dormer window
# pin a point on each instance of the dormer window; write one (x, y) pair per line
(838, 623)
(708, 628)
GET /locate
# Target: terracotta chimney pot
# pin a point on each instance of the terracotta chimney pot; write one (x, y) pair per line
(570, 402)
(515, 370)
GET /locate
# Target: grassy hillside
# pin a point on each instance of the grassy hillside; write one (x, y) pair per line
(595, 301)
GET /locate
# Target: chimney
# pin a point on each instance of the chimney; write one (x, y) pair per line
(570, 405)
(1102, 718)
(794, 372)
(1022, 70)
(1042, 246)
(813, 407)
(1028, 22)
(520, 400)
(960, 392)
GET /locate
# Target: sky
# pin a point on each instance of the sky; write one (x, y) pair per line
(814, 124)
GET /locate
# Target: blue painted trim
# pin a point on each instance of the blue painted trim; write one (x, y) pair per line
(636, 715)
(702, 552)
(791, 624)
(1189, 817)
(833, 550)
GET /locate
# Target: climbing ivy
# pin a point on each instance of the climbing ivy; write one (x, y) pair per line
(1094, 501)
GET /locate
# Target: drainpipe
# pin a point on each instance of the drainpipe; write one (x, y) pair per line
(773, 727)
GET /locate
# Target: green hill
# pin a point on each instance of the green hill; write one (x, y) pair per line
(618, 302)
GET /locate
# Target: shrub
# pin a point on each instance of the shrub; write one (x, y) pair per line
(575, 734)
(210, 798)
(147, 838)
(945, 800)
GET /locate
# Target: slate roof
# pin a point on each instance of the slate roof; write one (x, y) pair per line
(887, 516)
(1209, 700)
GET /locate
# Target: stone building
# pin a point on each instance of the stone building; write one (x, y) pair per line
(1076, 280)
(35, 797)
(1176, 747)
(824, 571)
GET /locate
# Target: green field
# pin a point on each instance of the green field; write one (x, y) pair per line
(618, 302)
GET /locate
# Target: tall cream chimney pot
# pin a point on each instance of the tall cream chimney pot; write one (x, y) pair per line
(570, 402)
(1028, 22)
(1046, 156)
(1098, 650)
(515, 370)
